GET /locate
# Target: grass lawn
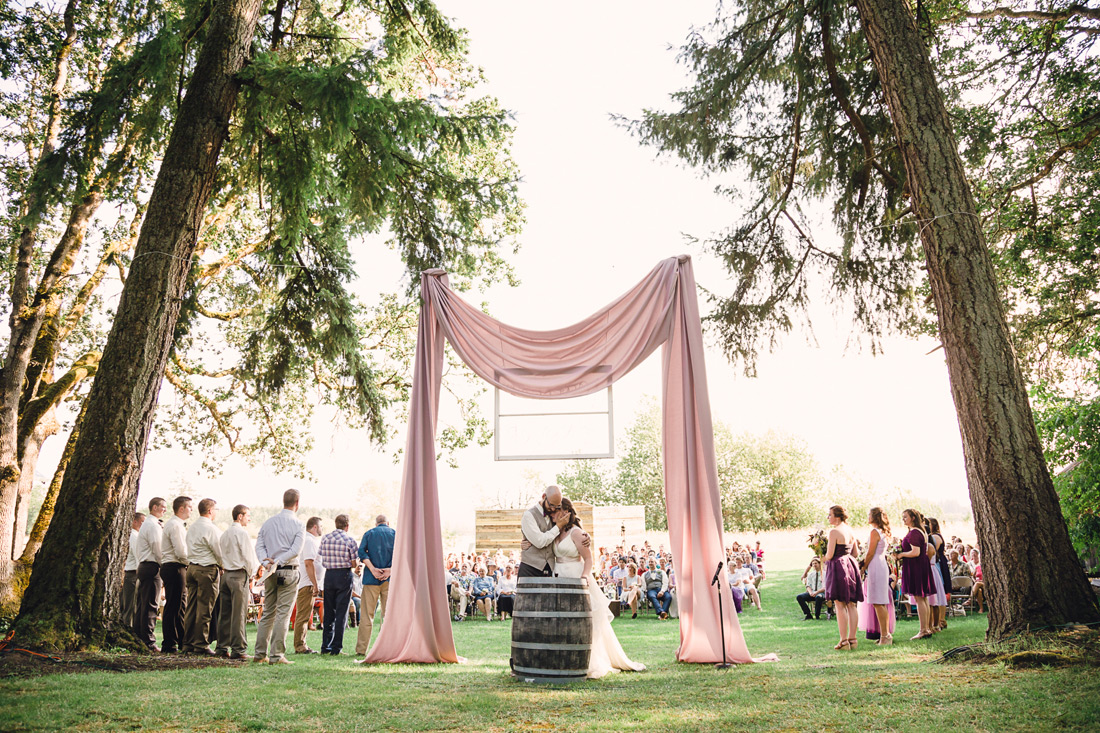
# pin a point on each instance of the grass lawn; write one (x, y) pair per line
(812, 687)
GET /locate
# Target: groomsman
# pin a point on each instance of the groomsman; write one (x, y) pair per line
(148, 573)
(239, 564)
(310, 582)
(173, 571)
(340, 555)
(279, 544)
(376, 552)
(129, 575)
(205, 553)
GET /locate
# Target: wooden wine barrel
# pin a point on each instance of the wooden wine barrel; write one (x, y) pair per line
(551, 630)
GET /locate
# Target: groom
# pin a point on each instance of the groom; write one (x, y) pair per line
(540, 525)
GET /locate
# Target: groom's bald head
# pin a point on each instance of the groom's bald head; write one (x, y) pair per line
(551, 498)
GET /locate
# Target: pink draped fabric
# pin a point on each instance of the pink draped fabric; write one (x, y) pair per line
(568, 362)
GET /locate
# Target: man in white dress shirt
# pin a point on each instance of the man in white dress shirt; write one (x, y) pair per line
(540, 525)
(129, 574)
(148, 573)
(239, 563)
(311, 579)
(173, 573)
(205, 554)
(279, 544)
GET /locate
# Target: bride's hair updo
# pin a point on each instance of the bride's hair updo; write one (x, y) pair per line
(574, 520)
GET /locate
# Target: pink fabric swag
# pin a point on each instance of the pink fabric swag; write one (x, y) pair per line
(568, 362)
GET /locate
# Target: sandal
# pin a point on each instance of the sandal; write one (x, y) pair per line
(886, 640)
(844, 643)
(852, 644)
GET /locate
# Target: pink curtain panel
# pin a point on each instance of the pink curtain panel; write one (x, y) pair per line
(663, 310)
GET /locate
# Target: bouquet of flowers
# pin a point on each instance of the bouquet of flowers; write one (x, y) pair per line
(819, 543)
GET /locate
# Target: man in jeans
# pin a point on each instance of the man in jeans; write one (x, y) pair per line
(815, 590)
(340, 556)
(279, 544)
(656, 589)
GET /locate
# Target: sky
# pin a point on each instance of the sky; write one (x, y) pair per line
(602, 212)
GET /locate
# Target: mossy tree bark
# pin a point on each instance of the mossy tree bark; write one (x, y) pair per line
(72, 599)
(1029, 565)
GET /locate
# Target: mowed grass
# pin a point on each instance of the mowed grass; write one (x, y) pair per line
(812, 687)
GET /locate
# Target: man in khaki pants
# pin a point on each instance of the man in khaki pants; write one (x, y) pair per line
(203, 573)
(309, 585)
(376, 552)
(240, 564)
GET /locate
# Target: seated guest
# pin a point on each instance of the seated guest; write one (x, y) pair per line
(632, 589)
(506, 593)
(977, 591)
(481, 592)
(815, 590)
(619, 574)
(735, 586)
(656, 589)
(744, 578)
(460, 591)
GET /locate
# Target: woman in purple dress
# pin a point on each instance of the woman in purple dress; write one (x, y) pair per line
(843, 584)
(876, 613)
(916, 572)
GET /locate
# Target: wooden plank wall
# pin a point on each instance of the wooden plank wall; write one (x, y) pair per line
(499, 528)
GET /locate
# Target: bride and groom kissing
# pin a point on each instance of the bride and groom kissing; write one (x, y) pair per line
(555, 545)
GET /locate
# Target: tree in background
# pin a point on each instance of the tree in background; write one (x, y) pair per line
(766, 482)
(1070, 427)
(352, 121)
(785, 96)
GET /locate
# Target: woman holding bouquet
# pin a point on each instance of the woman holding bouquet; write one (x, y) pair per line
(843, 584)
(876, 613)
(916, 572)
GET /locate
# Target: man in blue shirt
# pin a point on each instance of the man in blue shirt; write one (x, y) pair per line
(376, 552)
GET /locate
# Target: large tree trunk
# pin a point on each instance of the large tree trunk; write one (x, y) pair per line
(72, 600)
(11, 592)
(1029, 565)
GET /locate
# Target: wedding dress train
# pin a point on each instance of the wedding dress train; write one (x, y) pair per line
(607, 652)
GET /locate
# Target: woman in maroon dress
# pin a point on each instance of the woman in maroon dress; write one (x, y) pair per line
(916, 577)
(843, 581)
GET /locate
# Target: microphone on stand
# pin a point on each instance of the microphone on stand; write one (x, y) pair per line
(721, 618)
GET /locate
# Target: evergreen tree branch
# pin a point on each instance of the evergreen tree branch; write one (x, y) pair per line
(230, 434)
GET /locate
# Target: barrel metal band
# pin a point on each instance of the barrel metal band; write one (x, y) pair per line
(551, 647)
(555, 591)
(548, 581)
(553, 614)
(551, 672)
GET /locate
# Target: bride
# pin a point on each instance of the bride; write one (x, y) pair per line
(574, 560)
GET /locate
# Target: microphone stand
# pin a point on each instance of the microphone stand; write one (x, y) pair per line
(721, 617)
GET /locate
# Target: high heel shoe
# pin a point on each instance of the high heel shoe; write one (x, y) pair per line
(886, 640)
(844, 644)
(852, 644)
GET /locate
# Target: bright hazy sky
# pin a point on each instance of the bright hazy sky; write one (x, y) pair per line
(602, 212)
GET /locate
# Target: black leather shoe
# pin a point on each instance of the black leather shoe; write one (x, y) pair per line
(223, 654)
(308, 651)
(235, 655)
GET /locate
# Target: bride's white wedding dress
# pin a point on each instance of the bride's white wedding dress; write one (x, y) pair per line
(607, 652)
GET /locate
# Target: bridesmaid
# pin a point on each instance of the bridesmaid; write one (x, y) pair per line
(938, 600)
(877, 612)
(916, 571)
(843, 585)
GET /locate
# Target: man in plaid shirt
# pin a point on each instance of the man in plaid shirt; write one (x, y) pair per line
(340, 556)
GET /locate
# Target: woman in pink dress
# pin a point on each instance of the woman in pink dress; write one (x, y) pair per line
(876, 612)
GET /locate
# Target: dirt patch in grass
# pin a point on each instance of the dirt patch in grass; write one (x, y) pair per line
(1074, 647)
(17, 663)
